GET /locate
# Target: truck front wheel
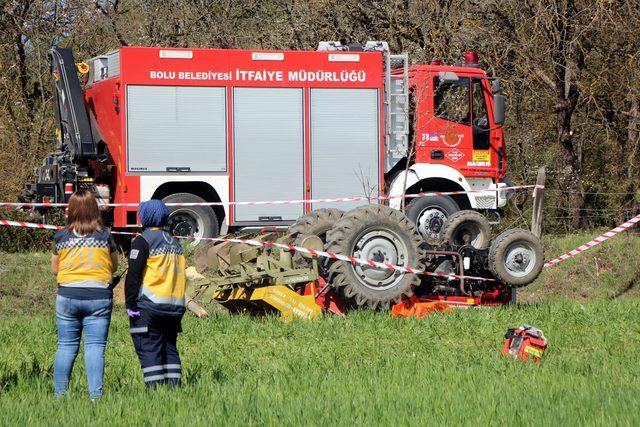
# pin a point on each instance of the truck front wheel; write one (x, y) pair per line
(191, 221)
(430, 214)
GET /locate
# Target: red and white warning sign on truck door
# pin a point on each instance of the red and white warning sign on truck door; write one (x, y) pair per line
(454, 155)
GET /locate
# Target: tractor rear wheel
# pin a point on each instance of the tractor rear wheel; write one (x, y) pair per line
(383, 235)
(316, 223)
(516, 257)
(467, 228)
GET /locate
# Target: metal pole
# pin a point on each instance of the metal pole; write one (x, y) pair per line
(538, 196)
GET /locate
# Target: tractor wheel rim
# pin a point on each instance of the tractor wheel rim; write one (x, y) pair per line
(431, 221)
(380, 246)
(520, 259)
(186, 223)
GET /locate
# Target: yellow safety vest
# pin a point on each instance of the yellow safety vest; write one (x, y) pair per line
(83, 259)
(164, 277)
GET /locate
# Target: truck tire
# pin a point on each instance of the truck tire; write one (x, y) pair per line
(430, 214)
(195, 221)
(382, 234)
(467, 226)
(516, 257)
(316, 223)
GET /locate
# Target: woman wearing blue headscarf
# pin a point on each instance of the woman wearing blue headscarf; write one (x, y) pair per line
(154, 291)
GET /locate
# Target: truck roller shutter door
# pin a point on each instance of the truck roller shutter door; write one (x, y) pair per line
(345, 145)
(176, 127)
(268, 140)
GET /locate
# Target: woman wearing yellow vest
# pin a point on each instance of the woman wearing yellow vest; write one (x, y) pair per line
(84, 259)
(154, 290)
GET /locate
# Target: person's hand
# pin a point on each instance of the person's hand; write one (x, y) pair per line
(133, 313)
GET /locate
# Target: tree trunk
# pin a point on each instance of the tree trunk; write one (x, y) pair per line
(633, 144)
(567, 63)
(571, 160)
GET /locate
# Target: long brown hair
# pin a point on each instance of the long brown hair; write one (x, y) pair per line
(84, 214)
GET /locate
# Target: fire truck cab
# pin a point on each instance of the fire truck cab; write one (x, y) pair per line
(232, 127)
(456, 143)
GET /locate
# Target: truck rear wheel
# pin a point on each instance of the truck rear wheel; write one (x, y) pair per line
(383, 235)
(516, 257)
(430, 214)
(191, 221)
(467, 228)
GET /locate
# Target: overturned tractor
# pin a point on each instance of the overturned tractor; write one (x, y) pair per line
(248, 272)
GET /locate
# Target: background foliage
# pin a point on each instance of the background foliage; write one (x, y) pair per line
(569, 68)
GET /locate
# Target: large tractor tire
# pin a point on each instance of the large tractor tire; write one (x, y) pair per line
(381, 234)
(430, 214)
(467, 228)
(516, 257)
(316, 223)
(191, 221)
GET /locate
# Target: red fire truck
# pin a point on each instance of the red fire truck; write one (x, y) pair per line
(214, 125)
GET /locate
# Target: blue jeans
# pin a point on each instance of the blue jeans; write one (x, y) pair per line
(74, 315)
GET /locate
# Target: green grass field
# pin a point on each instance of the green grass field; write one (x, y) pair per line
(367, 369)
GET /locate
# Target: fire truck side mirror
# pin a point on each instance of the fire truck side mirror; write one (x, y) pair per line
(498, 109)
(447, 77)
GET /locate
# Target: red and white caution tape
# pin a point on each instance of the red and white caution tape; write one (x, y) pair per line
(289, 247)
(606, 236)
(29, 225)
(290, 202)
(347, 258)
(365, 262)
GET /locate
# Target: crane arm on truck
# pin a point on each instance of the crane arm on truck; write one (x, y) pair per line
(73, 125)
(74, 136)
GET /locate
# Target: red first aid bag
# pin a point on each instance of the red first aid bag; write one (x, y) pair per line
(525, 342)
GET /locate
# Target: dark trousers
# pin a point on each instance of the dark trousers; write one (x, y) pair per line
(156, 345)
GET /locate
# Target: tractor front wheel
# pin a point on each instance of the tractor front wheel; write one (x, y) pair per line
(516, 257)
(467, 228)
